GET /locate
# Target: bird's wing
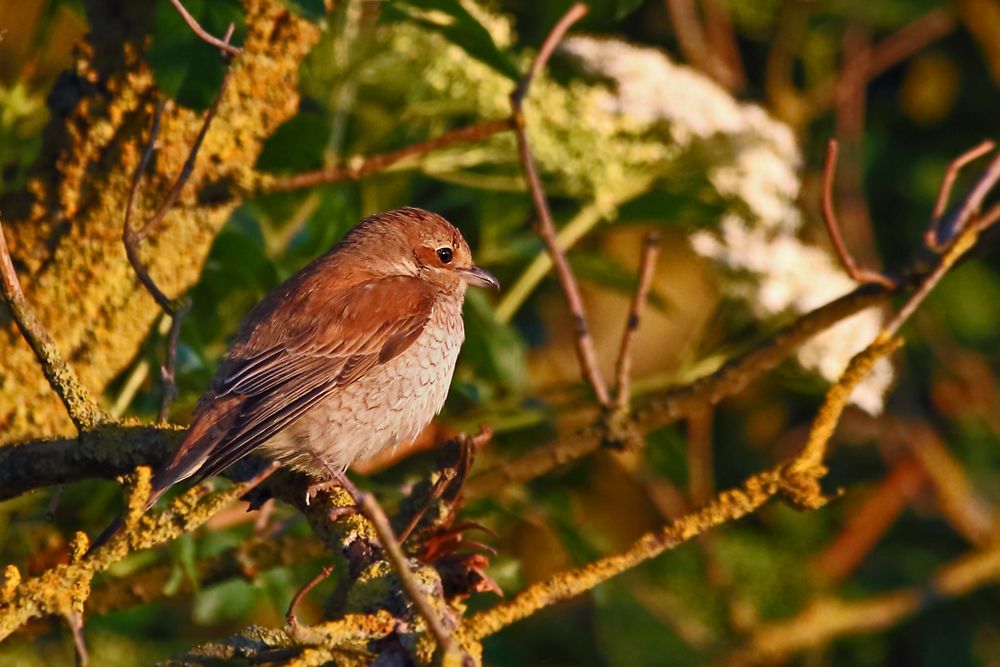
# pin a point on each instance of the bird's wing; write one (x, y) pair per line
(304, 358)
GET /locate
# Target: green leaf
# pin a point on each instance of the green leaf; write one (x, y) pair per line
(228, 601)
(625, 7)
(458, 26)
(495, 350)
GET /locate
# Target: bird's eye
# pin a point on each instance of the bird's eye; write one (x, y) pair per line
(444, 254)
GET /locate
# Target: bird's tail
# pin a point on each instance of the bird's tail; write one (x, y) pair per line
(119, 521)
(179, 468)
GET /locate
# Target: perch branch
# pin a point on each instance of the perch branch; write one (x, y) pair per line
(585, 352)
(623, 367)
(377, 163)
(368, 506)
(858, 274)
(81, 406)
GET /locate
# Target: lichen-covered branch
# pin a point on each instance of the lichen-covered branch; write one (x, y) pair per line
(798, 480)
(64, 588)
(76, 272)
(667, 407)
(81, 406)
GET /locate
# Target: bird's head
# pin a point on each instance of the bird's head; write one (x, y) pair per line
(429, 247)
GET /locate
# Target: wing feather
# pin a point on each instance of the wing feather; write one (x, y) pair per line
(318, 353)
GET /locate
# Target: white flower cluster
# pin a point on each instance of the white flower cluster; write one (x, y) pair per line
(638, 120)
(756, 241)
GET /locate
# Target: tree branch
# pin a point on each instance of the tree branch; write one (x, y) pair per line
(81, 406)
(175, 309)
(585, 352)
(222, 45)
(666, 408)
(858, 274)
(798, 480)
(377, 163)
(623, 367)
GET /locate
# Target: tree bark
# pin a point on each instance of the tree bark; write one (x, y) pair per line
(65, 233)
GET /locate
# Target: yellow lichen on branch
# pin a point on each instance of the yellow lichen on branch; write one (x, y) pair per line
(77, 275)
(64, 588)
(797, 479)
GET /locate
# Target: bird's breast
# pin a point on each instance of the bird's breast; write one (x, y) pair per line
(390, 404)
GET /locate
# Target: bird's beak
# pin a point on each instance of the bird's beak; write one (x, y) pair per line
(479, 277)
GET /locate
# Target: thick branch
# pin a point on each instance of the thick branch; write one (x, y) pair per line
(675, 404)
(69, 242)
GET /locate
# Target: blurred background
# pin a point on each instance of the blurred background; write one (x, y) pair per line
(705, 120)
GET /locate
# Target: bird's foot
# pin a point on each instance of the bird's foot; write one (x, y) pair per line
(316, 487)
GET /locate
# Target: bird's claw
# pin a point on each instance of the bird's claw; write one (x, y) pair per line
(314, 489)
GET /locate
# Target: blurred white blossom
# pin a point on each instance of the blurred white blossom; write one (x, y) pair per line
(635, 121)
(768, 266)
(776, 273)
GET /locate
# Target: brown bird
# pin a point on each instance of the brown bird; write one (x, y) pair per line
(351, 355)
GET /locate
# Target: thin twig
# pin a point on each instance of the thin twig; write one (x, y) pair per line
(669, 406)
(290, 618)
(82, 407)
(797, 479)
(574, 14)
(369, 508)
(75, 621)
(623, 367)
(950, 227)
(586, 354)
(951, 174)
(196, 28)
(376, 163)
(960, 243)
(886, 54)
(177, 308)
(858, 274)
(931, 236)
